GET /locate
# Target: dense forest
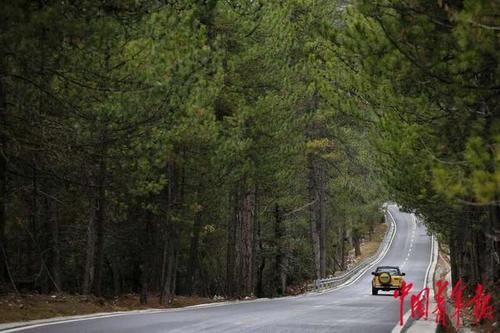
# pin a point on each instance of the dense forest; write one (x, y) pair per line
(182, 147)
(239, 147)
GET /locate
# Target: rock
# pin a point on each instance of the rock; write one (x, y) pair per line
(218, 298)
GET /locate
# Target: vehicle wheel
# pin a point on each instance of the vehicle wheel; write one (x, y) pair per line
(374, 291)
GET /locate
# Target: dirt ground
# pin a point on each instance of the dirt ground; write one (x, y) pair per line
(368, 247)
(29, 307)
(466, 315)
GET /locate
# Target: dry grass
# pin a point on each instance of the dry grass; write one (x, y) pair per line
(370, 247)
(367, 247)
(30, 307)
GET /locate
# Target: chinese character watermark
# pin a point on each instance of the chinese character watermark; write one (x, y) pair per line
(419, 303)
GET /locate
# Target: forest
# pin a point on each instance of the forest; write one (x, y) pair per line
(239, 147)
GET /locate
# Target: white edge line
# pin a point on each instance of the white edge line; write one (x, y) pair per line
(346, 284)
(27, 325)
(431, 261)
(432, 265)
(63, 321)
(350, 282)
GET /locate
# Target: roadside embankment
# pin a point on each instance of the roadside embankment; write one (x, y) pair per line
(33, 306)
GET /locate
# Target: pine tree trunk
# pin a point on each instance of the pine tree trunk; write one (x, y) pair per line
(492, 235)
(167, 292)
(454, 264)
(193, 253)
(40, 223)
(146, 258)
(281, 261)
(322, 182)
(170, 199)
(165, 204)
(100, 213)
(164, 261)
(174, 278)
(278, 258)
(357, 243)
(230, 255)
(255, 248)
(314, 211)
(342, 246)
(99, 241)
(115, 269)
(143, 299)
(284, 263)
(262, 264)
(34, 203)
(37, 236)
(247, 212)
(89, 271)
(55, 246)
(3, 177)
(3, 221)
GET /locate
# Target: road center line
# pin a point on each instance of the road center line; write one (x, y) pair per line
(432, 262)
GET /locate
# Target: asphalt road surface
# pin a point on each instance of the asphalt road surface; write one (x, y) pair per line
(348, 309)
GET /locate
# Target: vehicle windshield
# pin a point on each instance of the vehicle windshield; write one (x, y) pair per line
(392, 271)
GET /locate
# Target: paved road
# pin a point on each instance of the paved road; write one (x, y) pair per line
(348, 309)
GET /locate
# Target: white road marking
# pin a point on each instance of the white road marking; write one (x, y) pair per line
(118, 314)
(349, 283)
(125, 313)
(432, 263)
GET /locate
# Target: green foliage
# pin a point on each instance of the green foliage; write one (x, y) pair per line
(428, 71)
(164, 114)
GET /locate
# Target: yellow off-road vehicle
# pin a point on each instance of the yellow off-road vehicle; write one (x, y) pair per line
(387, 278)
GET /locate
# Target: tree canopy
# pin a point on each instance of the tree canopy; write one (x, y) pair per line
(240, 147)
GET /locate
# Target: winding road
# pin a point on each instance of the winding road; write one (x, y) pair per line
(349, 308)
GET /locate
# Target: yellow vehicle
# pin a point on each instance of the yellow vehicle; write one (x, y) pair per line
(387, 278)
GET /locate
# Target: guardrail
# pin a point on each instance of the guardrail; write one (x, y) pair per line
(338, 280)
